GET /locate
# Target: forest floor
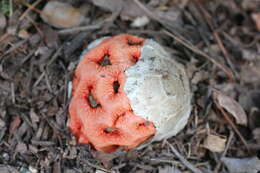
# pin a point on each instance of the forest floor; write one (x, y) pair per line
(218, 42)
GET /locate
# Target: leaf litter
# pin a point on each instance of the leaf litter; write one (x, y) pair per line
(220, 51)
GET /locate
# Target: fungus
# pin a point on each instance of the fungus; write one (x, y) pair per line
(125, 91)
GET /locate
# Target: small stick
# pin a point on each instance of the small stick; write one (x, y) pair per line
(196, 50)
(96, 166)
(13, 93)
(29, 9)
(183, 160)
(216, 170)
(184, 42)
(15, 46)
(42, 143)
(78, 29)
(207, 17)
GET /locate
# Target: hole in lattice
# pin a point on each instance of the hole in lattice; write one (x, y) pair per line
(116, 86)
(134, 59)
(92, 101)
(146, 123)
(134, 43)
(110, 148)
(105, 61)
(110, 130)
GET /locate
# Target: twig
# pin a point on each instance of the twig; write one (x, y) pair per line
(55, 56)
(183, 41)
(39, 79)
(43, 143)
(4, 37)
(10, 8)
(147, 11)
(29, 9)
(196, 50)
(239, 43)
(47, 81)
(79, 29)
(183, 160)
(29, 6)
(13, 93)
(216, 170)
(95, 166)
(35, 25)
(207, 17)
(16, 46)
(229, 120)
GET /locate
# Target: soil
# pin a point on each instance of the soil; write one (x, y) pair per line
(218, 42)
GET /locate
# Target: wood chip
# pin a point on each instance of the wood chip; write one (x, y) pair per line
(215, 143)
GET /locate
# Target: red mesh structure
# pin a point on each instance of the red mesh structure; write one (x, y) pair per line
(100, 112)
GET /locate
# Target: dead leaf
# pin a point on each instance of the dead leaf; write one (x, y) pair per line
(232, 106)
(21, 148)
(245, 165)
(34, 117)
(215, 143)
(256, 18)
(23, 34)
(61, 15)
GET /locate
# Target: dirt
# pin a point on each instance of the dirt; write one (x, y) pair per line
(217, 41)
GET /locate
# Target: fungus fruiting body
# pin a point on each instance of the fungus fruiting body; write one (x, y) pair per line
(125, 90)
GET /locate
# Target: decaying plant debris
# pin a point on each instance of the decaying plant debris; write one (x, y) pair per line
(217, 41)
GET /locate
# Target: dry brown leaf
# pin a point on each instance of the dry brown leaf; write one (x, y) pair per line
(62, 15)
(215, 143)
(233, 107)
(23, 34)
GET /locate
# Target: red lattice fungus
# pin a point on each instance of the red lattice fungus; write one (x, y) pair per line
(100, 112)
